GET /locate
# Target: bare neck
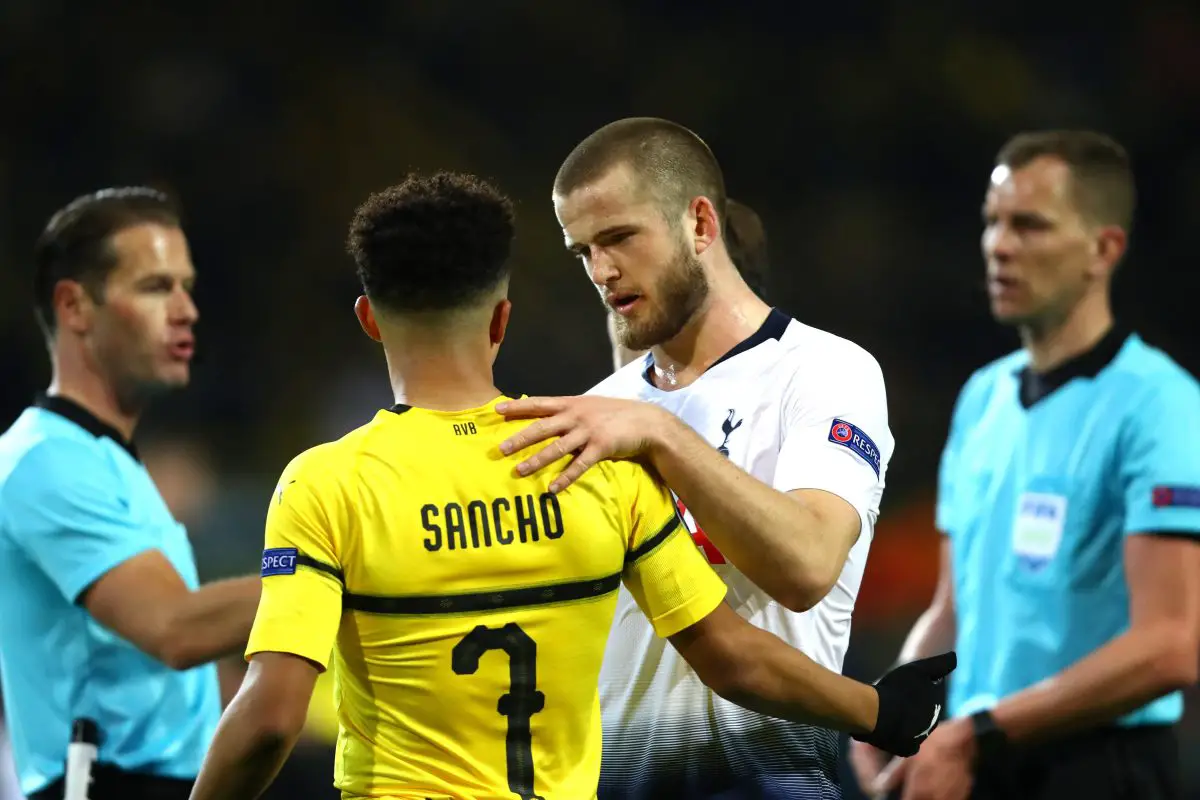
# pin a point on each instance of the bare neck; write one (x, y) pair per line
(75, 377)
(1053, 343)
(443, 376)
(731, 313)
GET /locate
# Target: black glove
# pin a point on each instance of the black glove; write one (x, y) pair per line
(910, 703)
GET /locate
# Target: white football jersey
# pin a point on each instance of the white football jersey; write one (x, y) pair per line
(797, 408)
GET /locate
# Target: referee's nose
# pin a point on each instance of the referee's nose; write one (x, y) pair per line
(999, 243)
(184, 310)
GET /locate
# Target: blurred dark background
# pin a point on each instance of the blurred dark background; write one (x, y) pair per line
(863, 134)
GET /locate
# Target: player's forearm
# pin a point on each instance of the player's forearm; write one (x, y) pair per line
(241, 769)
(1125, 674)
(773, 538)
(780, 681)
(253, 738)
(211, 622)
(250, 746)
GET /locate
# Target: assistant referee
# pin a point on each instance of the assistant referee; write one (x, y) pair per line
(103, 617)
(1069, 496)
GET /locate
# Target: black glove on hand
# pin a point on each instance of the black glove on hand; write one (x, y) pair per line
(909, 704)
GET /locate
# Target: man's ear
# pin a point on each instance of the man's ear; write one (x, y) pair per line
(704, 223)
(366, 317)
(73, 307)
(1110, 249)
(499, 323)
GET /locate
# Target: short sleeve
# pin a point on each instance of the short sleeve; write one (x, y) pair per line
(1160, 459)
(68, 510)
(664, 571)
(948, 467)
(835, 434)
(302, 579)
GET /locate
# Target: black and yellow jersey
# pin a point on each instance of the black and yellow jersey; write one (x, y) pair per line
(466, 608)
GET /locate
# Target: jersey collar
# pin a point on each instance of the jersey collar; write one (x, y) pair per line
(70, 410)
(773, 327)
(1035, 386)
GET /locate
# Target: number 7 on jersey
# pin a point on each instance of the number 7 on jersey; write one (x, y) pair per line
(522, 701)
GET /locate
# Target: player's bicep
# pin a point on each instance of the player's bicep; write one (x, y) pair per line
(299, 611)
(671, 582)
(840, 519)
(302, 579)
(837, 439)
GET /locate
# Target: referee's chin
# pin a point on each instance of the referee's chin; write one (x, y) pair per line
(165, 381)
(178, 377)
(1011, 318)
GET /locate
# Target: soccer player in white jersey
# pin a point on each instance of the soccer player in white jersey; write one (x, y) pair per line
(772, 434)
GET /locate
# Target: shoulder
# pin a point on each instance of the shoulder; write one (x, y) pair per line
(807, 350)
(41, 456)
(1147, 365)
(48, 477)
(319, 468)
(1008, 364)
(628, 381)
(1152, 384)
(983, 381)
(626, 472)
(819, 363)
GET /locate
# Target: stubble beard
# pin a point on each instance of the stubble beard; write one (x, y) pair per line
(678, 295)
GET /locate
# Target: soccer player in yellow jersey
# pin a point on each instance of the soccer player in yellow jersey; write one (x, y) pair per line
(465, 609)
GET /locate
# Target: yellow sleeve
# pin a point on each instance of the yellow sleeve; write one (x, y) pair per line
(664, 571)
(302, 581)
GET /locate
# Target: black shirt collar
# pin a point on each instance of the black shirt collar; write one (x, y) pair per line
(773, 327)
(1035, 385)
(69, 409)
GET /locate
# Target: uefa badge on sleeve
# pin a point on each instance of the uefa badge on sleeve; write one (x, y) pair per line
(856, 441)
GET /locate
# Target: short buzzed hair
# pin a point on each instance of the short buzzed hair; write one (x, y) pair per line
(1103, 189)
(672, 162)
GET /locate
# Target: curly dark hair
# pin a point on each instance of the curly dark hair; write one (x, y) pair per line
(432, 243)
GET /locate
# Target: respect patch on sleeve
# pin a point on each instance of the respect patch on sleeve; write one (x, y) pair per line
(279, 561)
(853, 439)
(1176, 497)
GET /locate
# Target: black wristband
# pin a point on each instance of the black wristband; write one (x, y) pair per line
(991, 742)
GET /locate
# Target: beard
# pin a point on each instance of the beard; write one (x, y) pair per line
(677, 296)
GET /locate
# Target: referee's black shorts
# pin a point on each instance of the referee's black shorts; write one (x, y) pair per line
(111, 783)
(1112, 763)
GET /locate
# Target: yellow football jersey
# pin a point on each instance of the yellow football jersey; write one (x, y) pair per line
(466, 608)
